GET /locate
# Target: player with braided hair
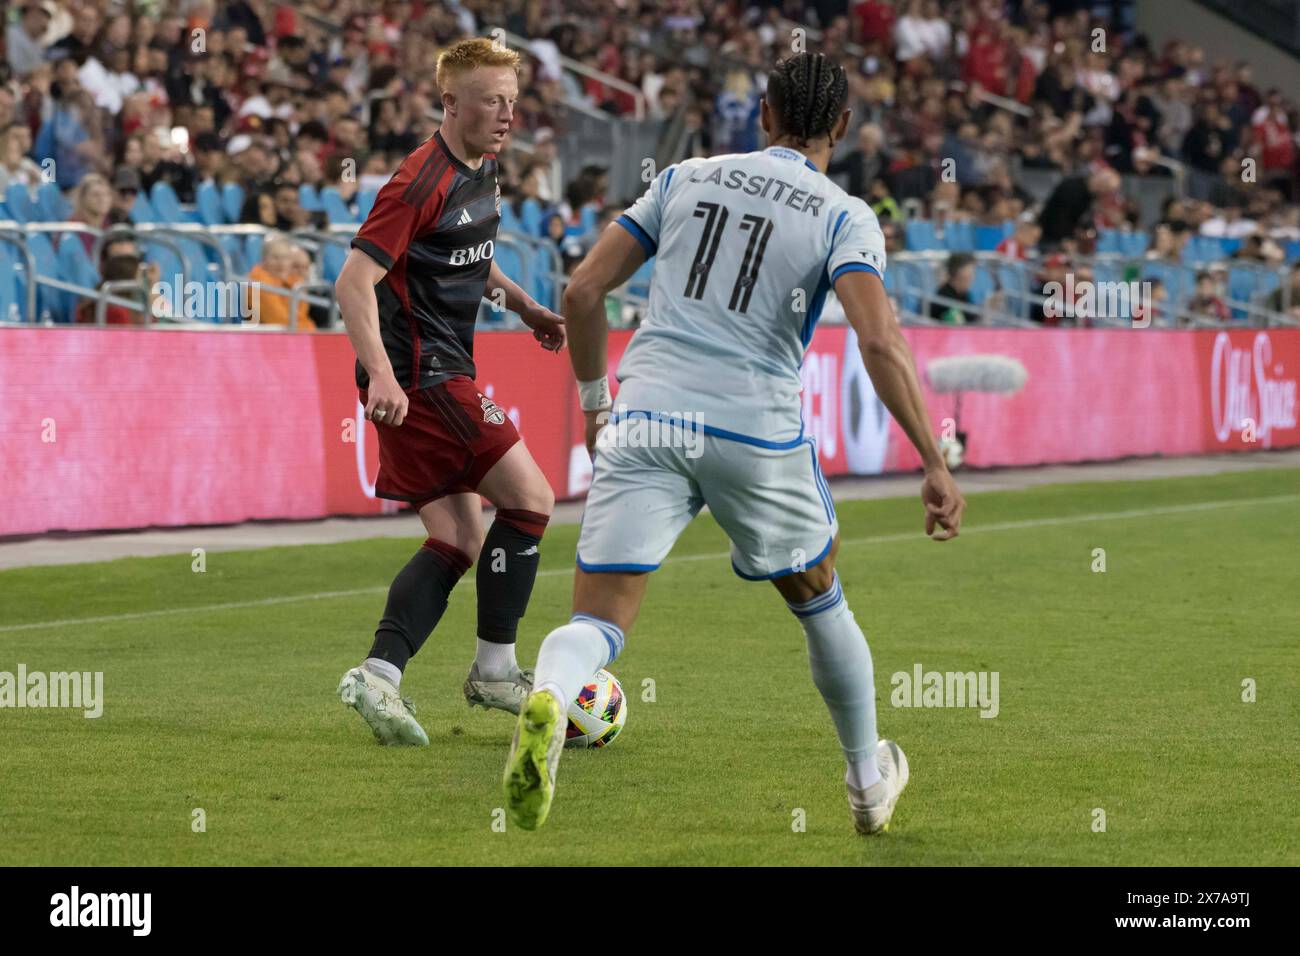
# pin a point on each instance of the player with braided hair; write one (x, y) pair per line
(716, 363)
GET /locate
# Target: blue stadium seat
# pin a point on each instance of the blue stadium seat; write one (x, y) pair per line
(920, 235)
(51, 303)
(11, 308)
(639, 284)
(234, 246)
(509, 220)
(336, 208)
(530, 217)
(142, 210)
(1134, 243)
(75, 264)
(232, 201)
(982, 285)
(587, 217)
(308, 198)
(253, 249)
(331, 261)
(988, 237)
(1109, 240)
(51, 203)
(959, 237)
(19, 202)
(1291, 249)
(365, 203)
(1014, 282)
(166, 205)
(209, 205)
(543, 289)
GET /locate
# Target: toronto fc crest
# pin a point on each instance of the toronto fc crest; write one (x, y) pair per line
(492, 412)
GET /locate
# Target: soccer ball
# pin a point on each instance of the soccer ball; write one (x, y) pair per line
(598, 714)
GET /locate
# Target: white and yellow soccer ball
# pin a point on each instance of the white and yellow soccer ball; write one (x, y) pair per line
(598, 714)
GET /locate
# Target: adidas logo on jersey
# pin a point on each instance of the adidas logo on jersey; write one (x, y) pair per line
(465, 218)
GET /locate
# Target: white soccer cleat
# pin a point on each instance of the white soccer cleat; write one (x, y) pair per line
(873, 807)
(390, 715)
(508, 695)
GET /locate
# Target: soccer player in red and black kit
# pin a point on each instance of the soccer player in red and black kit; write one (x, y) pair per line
(409, 294)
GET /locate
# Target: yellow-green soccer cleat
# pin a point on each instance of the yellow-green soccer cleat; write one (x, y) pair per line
(873, 808)
(534, 757)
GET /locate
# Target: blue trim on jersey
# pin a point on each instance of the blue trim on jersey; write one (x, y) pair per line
(785, 572)
(612, 634)
(855, 267)
(819, 294)
(668, 180)
(615, 568)
(814, 311)
(821, 483)
(709, 429)
(639, 234)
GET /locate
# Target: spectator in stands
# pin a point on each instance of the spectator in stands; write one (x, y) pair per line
(546, 168)
(1071, 203)
(959, 276)
(125, 267)
(1150, 305)
(126, 189)
(91, 202)
(1286, 297)
(882, 203)
(1023, 243)
(73, 136)
(79, 44)
(278, 268)
(24, 46)
(15, 166)
(865, 164)
(1206, 299)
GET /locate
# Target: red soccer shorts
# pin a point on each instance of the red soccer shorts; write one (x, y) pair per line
(451, 437)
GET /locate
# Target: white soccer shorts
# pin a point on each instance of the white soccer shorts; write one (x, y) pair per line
(773, 503)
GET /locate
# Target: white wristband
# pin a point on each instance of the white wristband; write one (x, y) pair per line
(595, 396)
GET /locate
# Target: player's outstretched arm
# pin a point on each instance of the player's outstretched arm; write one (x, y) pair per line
(355, 291)
(893, 373)
(548, 328)
(610, 263)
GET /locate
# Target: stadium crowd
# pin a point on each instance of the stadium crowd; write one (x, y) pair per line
(954, 99)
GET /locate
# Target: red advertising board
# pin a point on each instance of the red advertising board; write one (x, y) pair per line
(128, 428)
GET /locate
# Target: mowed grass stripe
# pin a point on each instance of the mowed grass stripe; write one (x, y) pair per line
(1190, 508)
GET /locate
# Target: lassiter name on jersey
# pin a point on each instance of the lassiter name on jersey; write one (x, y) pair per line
(433, 227)
(764, 187)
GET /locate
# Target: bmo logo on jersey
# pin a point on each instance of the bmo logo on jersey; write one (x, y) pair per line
(471, 255)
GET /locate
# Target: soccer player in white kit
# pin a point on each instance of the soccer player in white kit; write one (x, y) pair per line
(747, 248)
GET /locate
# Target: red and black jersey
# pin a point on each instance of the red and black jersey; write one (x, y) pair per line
(433, 228)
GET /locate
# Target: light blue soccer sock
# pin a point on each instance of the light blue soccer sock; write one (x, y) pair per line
(572, 654)
(841, 669)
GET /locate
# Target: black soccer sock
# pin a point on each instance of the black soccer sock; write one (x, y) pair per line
(507, 568)
(416, 600)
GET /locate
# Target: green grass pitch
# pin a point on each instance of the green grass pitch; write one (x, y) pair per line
(1119, 691)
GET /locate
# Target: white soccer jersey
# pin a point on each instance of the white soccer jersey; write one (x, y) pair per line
(747, 247)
